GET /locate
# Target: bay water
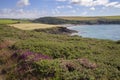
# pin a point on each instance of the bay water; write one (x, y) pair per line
(111, 32)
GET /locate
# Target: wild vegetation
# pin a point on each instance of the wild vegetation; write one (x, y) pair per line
(37, 55)
(79, 20)
(56, 30)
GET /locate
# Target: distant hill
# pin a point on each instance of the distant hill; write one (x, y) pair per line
(79, 20)
(51, 20)
(90, 18)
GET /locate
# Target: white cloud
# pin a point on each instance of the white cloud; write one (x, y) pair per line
(84, 13)
(22, 3)
(67, 6)
(20, 13)
(61, 0)
(60, 7)
(73, 11)
(117, 6)
(100, 2)
(93, 3)
(92, 8)
(88, 3)
(113, 4)
(55, 11)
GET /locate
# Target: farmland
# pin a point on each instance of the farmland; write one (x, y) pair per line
(7, 21)
(90, 18)
(13, 21)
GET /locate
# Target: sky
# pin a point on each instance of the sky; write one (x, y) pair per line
(41, 8)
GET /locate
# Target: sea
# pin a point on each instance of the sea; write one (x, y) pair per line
(111, 32)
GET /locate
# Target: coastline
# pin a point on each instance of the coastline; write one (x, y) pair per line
(97, 31)
(70, 25)
(57, 30)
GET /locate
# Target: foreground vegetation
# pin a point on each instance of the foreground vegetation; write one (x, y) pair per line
(36, 55)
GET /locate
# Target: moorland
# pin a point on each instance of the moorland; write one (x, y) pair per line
(38, 54)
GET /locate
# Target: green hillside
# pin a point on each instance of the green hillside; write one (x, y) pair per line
(79, 20)
(90, 18)
(13, 21)
(36, 55)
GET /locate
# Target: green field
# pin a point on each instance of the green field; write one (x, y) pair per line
(90, 18)
(7, 21)
(26, 55)
(13, 21)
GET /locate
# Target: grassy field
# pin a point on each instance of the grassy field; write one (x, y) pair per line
(13, 21)
(91, 18)
(32, 26)
(112, 17)
(7, 21)
(79, 18)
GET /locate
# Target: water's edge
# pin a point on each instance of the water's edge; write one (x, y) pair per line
(109, 32)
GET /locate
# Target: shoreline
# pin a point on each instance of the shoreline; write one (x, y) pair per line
(57, 30)
(70, 25)
(106, 37)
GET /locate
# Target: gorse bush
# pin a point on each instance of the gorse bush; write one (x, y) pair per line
(38, 55)
(118, 42)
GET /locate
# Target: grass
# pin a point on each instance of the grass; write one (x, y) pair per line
(32, 26)
(91, 18)
(13, 21)
(79, 18)
(68, 57)
(7, 21)
(112, 17)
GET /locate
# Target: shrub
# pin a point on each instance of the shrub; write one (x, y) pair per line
(118, 42)
(86, 63)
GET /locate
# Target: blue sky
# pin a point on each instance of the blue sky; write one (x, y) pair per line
(41, 8)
